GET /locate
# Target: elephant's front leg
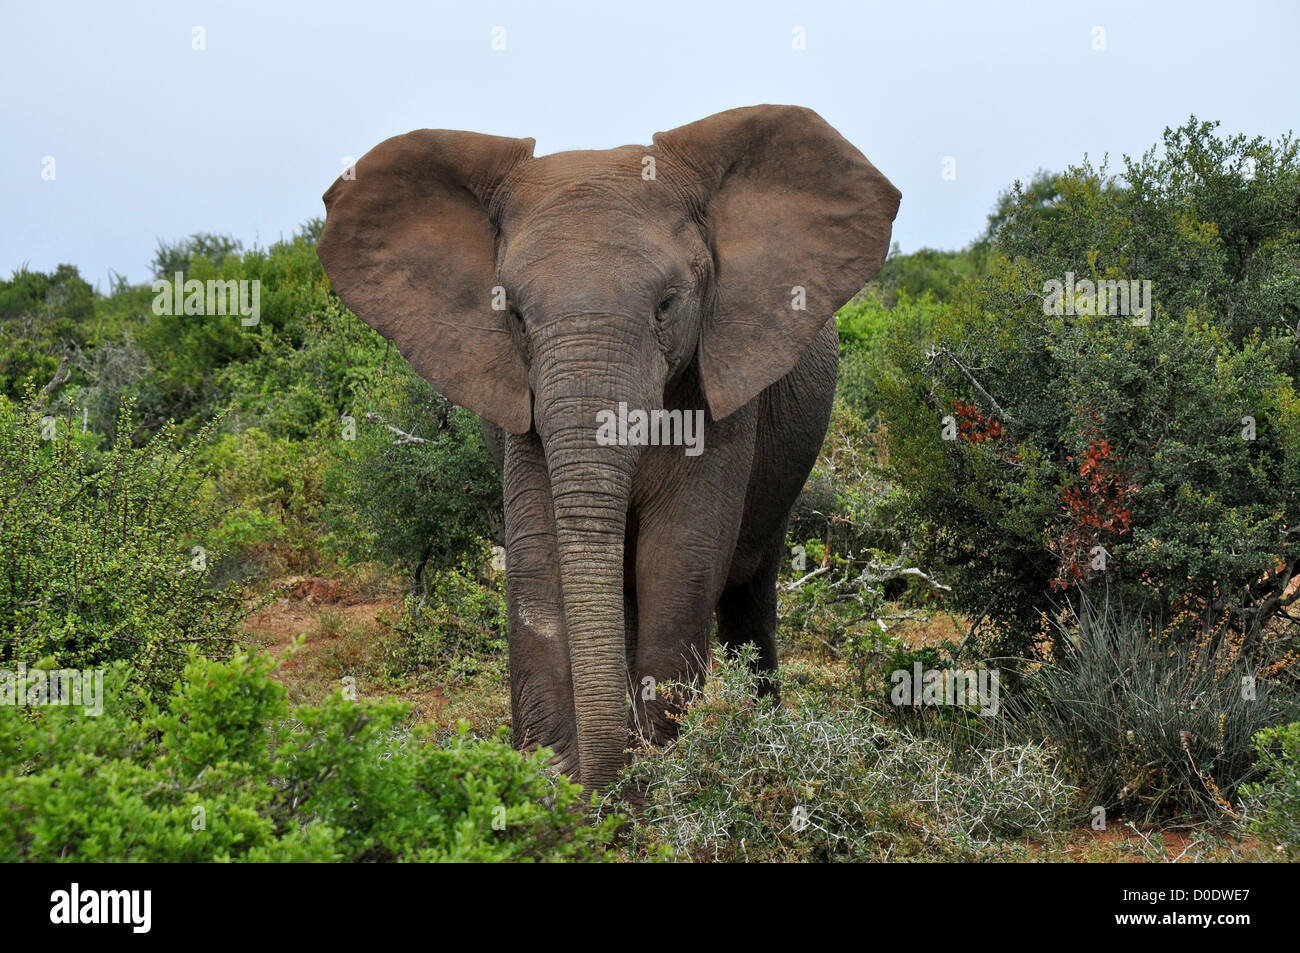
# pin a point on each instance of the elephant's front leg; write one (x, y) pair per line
(541, 687)
(688, 526)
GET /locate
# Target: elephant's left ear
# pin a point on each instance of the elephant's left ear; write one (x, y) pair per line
(799, 221)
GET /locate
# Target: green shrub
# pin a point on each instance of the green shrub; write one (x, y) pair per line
(425, 494)
(42, 318)
(876, 659)
(223, 771)
(1274, 802)
(199, 365)
(1149, 725)
(298, 389)
(926, 271)
(171, 257)
(104, 556)
(866, 325)
(845, 526)
(457, 630)
(1161, 462)
(840, 507)
(269, 494)
(112, 372)
(842, 538)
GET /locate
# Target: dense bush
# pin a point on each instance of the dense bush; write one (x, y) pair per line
(926, 271)
(299, 389)
(848, 574)
(418, 477)
(844, 505)
(44, 318)
(269, 495)
(866, 324)
(1274, 802)
(222, 771)
(171, 257)
(297, 492)
(457, 630)
(1044, 453)
(845, 525)
(103, 556)
(296, 368)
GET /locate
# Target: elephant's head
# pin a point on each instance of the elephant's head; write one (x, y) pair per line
(539, 291)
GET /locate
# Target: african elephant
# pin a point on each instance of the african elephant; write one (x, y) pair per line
(554, 296)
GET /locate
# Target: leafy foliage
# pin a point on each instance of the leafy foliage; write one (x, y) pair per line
(1160, 461)
(427, 494)
(43, 317)
(171, 257)
(97, 558)
(926, 272)
(458, 629)
(268, 494)
(866, 324)
(1275, 800)
(223, 771)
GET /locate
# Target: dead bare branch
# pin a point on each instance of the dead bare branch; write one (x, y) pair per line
(403, 437)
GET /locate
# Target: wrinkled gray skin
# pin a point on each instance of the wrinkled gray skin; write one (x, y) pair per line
(699, 272)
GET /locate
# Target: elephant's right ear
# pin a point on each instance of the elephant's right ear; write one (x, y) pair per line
(409, 246)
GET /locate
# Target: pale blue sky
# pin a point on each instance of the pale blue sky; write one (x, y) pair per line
(153, 139)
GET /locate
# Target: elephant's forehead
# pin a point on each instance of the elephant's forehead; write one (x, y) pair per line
(575, 186)
(573, 213)
(597, 270)
(544, 174)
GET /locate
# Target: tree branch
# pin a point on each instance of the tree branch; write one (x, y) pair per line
(58, 380)
(403, 437)
(979, 389)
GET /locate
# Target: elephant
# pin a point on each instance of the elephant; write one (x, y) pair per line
(555, 295)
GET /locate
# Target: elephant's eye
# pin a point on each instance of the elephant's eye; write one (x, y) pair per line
(664, 305)
(519, 331)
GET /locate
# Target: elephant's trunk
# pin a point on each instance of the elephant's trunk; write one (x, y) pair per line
(590, 487)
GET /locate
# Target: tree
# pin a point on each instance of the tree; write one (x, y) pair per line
(1154, 456)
